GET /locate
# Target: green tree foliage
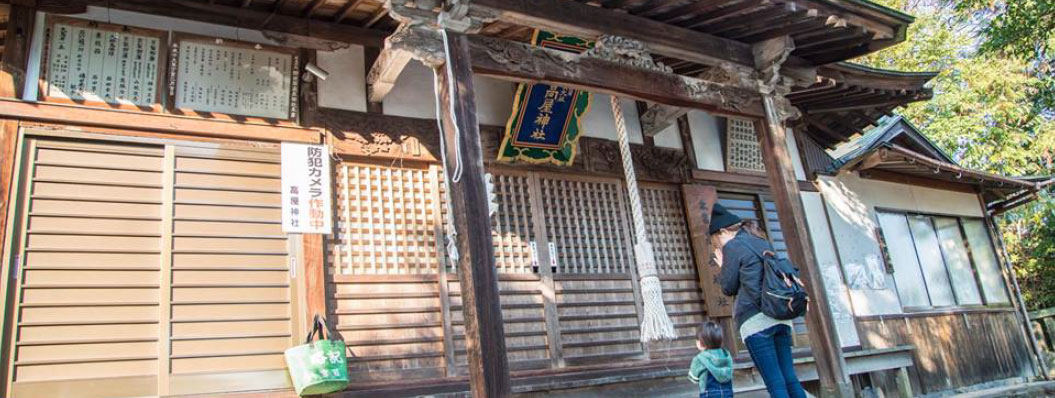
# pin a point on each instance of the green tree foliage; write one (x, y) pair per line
(989, 108)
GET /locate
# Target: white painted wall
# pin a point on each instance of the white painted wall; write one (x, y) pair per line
(600, 123)
(851, 204)
(413, 96)
(796, 160)
(494, 100)
(706, 132)
(852, 218)
(670, 137)
(346, 86)
(831, 271)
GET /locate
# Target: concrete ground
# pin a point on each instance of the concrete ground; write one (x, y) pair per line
(1026, 390)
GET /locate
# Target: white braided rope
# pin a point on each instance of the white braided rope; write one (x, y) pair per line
(655, 324)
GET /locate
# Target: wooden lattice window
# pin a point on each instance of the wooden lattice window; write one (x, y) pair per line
(743, 153)
(667, 229)
(388, 220)
(587, 224)
(512, 227)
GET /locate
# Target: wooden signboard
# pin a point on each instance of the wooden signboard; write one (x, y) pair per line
(699, 199)
(100, 64)
(234, 78)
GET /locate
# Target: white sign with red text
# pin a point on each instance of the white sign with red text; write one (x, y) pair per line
(306, 193)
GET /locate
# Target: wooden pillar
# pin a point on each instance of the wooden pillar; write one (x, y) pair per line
(824, 342)
(16, 50)
(484, 337)
(12, 76)
(314, 277)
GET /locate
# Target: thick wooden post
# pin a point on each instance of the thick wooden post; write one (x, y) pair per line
(16, 50)
(827, 352)
(485, 339)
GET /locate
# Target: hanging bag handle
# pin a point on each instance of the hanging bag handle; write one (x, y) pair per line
(318, 325)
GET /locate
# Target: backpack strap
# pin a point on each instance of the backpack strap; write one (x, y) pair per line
(761, 255)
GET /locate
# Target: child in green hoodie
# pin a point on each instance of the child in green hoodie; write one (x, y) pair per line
(712, 368)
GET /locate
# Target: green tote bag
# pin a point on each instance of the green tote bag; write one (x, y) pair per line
(321, 366)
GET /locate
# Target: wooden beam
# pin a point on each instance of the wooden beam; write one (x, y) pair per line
(579, 19)
(186, 125)
(883, 175)
(375, 17)
(521, 62)
(485, 338)
(312, 7)
(52, 6)
(743, 179)
(685, 131)
(317, 35)
(824, 342)
(345, 11)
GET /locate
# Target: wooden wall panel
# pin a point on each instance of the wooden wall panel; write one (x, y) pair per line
(684, 301)
(392, 325)
(524, 322)
(599, 319)
(954, 350)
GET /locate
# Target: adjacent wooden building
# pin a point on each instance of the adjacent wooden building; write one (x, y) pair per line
(142, 211)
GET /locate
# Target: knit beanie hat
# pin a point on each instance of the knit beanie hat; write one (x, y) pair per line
(721, 218)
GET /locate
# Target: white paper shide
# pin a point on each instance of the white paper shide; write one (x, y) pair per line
(306, 206)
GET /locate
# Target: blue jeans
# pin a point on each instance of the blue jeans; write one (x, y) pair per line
(771, 351)
(717, 390)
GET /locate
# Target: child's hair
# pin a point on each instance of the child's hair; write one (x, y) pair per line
(752, 226)
(709, 335)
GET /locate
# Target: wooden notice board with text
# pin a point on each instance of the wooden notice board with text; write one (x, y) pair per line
(235, 78)
(92, 63)
(699, 199)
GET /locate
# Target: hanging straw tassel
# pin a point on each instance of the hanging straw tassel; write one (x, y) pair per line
(656, 324)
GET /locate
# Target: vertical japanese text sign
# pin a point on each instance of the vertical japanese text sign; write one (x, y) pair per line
(306, 189)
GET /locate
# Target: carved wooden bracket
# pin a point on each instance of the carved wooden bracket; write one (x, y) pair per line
(411, 41)
(770, 56)
(658, 117)
(625, 51)
(382, 136)
(650, 163)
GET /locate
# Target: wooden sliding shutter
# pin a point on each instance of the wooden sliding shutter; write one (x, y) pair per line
(668, 231)
(387, 265)
(233, 304)
(588, 226)
(89, 318)
(151, 270)
(520, 286)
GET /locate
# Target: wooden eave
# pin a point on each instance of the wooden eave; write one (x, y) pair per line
(847, 98)
(895, 163)
(847, 28)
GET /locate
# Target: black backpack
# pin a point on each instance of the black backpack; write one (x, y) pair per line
(783, 296)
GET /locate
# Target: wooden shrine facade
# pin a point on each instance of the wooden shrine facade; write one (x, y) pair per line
(144, 221)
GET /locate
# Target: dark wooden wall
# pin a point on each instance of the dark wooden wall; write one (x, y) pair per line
(953, 350)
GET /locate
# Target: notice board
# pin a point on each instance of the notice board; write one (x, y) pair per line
(94, 63)
(235, 78)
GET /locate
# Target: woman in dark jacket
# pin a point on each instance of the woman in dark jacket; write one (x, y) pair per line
(767, 339)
